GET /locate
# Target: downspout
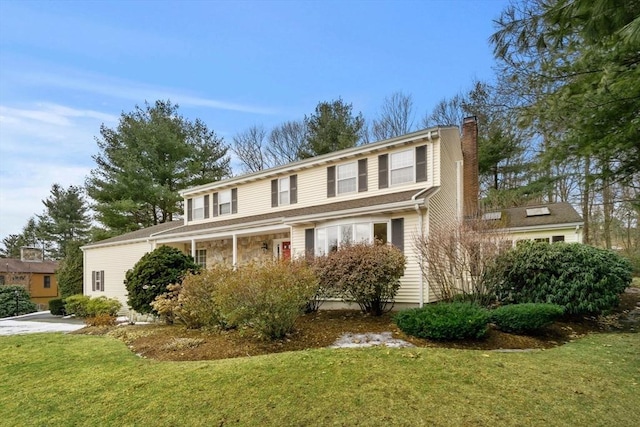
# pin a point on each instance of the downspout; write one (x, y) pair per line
(421, 282)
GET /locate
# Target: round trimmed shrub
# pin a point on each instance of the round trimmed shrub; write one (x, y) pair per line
(364, 273)
(76, 305)
(445, 321)
(524, 318)
(103, 306)
(151, 275)
(580, 278)
(56, 307)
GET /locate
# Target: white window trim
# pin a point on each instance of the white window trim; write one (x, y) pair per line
(354, 167)
(224, 199)
(284, 187)
(198, 208)
(412, 152)
(353, 224)
(202, 262)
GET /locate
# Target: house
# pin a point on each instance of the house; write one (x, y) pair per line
(553, 222)
(33, 273)
(391, 190)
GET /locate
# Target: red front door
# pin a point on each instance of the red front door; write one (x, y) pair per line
(286, 250)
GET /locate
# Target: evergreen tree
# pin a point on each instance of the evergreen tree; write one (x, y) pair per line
(331, 128)
(143, 163)
(65, 219)
(69, 273)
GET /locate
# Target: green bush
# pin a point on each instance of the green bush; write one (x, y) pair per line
(8, 301)
(268, 297)
(445, 321)
(56, 307)
(102, 306)
(76, 305)
(524, 318)
(368, 274)
(580, 278)
(152, 274)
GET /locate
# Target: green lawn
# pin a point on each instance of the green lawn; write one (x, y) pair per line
(68, 380)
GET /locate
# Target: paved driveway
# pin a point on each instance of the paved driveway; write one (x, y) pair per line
(41, 321)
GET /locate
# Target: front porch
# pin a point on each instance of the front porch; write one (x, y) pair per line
(237, 248)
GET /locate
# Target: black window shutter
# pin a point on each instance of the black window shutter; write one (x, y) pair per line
(331, 181)
(421, 163)
(293, 189)
(215, 204)
(206, 206)
(383, 171)
(274, 193)
(234, 200)
(309, 241)
(397, 233)
(189, 211)
(102, 280)
(362, 175)
(93, 280)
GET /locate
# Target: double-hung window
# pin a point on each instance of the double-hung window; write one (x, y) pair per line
(401, 167)
(224, 202)
(198, 208)
(283, 191)
(347, 176)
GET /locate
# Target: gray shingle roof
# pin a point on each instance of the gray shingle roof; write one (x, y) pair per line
(13, 265)
(561, 213)
(178, 227)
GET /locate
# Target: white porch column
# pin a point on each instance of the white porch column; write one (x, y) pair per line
(235, 250)
(193, 248)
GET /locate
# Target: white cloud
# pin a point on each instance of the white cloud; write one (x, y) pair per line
(107, 86)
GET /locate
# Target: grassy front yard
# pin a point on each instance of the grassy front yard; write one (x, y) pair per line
(54, 379)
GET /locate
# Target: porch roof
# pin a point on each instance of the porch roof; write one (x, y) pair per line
(336, 209)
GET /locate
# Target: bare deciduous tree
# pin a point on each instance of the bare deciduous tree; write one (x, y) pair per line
(396, 117)
(286, 142)
(455, 257)
(248, 146)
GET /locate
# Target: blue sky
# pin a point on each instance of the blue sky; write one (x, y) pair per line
(68, 67)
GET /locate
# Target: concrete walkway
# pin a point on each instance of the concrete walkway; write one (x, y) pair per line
(41, 321)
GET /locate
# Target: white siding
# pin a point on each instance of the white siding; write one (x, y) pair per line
(570, 234)
(114, 261)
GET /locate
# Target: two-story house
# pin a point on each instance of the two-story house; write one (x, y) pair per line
(32, 272)
(391, 190)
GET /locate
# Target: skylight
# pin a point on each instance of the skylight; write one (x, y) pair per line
(538, 211)
(492, 216)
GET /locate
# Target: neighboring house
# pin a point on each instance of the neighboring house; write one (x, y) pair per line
(552, 222)
(390, 190)
(33, 273)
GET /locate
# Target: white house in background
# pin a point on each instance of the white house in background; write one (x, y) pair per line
(390, 190)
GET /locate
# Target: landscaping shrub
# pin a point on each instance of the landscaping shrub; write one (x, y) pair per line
(445, 321)
(195, 302)
(8, 301)
(102, 306)
(153, 273)
(580, 278)
(524, 318)
(76, 305)
(268, 296)
(56, 307)
(368, 274)
(101, 320)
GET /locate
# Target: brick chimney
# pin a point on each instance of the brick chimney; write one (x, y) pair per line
(470, 167)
